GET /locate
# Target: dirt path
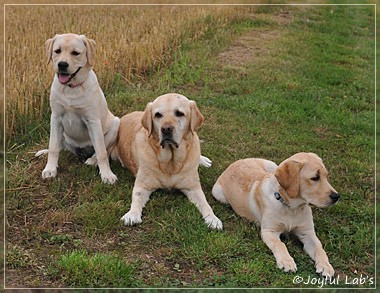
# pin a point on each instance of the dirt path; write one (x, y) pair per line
(255, 43)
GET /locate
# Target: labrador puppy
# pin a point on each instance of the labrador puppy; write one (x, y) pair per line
(160, 146)
(278, 198)
(80, 120)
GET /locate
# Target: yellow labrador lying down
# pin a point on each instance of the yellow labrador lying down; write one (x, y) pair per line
(279, 199)
(161, 148)
(80, 121)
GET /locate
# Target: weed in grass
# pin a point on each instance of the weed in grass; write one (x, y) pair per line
(60, 239)
(17, 257)
(79, 269)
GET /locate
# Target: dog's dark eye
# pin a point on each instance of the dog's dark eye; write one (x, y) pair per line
(158, 115)
(179, 113)
(75, 53)
(316, 178)
(57, 51)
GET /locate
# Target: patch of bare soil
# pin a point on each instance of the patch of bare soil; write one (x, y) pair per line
(255, 43)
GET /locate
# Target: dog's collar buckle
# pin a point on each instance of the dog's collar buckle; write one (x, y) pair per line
(278, 196)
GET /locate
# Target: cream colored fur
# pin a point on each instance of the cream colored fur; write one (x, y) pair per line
(249, 186)
(80, 117)
(160, 146)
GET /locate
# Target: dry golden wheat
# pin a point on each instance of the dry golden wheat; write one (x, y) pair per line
(131, 41)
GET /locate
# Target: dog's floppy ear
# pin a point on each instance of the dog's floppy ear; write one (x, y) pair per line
(90, 49)
(288, 176)
(147, 119)
(49, 48)
(196, 117)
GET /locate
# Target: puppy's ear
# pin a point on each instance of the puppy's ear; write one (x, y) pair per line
(90, 49)
(288, 176)
(49, 48)
(196, 117)
(147, 119)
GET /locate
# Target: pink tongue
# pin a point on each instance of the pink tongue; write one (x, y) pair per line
(63, 78)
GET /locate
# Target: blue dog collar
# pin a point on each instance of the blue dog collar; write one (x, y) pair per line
(277, 195)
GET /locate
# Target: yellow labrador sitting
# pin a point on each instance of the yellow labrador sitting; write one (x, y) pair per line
(161, 148)
(80, 120)
(279, 198)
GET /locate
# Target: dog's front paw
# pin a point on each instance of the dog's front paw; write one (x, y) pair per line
(287, 264)
(213, 222)
(325, 269)
(49, 172)
(109, 178)
(204, 161)
(131, 218)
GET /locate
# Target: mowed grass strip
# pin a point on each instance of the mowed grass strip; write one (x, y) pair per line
(306, 85)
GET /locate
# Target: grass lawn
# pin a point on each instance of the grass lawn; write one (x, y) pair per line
(286, 80)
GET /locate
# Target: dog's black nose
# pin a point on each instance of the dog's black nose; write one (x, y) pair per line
(63, 65)
(334, 197)
(166, 129)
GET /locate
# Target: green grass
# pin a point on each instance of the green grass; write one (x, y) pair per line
(308, 86)
(79, 269)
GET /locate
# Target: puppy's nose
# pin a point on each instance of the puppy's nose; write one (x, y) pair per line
(167, 129)
(63, 65)
(334, 197)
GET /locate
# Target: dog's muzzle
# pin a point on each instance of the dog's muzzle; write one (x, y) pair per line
(167, 136)
(63, 76)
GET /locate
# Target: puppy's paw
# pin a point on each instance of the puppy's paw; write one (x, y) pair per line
(49, 172)
(92, 161)
(213, 222)
(109, 178)
(325, 269)
(204, 161)
(131, 218)
(287, 264)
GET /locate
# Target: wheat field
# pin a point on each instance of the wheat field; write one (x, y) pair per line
(132, 40)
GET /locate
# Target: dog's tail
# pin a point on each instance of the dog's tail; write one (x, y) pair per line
(218, 193)
(41, 152)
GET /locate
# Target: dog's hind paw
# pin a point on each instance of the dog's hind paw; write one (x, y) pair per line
(204, 161)
(91, 161)
(131, 218)
(41, 152)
